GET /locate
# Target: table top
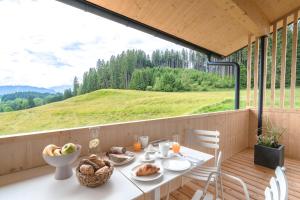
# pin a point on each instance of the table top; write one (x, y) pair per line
(167, 175)
(47, 188)
(39, 183)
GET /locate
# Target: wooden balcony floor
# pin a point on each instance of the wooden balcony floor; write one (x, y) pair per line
(256, 178)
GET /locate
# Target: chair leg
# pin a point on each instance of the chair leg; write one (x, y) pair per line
(217, 187)
(181, 181)
(221, 182)
(168, 192)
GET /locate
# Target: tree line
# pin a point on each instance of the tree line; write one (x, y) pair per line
(25, 100)
(119, 71)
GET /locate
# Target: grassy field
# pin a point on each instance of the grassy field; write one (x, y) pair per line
(107, 106)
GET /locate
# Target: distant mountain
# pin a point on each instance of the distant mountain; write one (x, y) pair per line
(60, 88)
(8, 89)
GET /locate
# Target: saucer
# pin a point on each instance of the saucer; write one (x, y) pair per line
(159, 155)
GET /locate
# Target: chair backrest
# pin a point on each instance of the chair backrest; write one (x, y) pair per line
(282, 181)
(268, 194)
(274, 189)
(206, 139)
(278, 189)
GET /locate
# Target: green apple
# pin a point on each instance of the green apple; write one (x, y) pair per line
(68, 149)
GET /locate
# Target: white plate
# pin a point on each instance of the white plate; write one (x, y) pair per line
(176, 164)
(131, 156)
(146, 178)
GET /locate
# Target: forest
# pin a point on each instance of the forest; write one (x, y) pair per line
(167, 70)
(171, 70)
(25, 100)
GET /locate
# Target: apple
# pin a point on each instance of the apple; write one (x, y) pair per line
(68, 149)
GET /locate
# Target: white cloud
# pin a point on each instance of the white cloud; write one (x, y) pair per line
(46, 43)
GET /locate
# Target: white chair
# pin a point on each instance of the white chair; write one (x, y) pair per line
(278, 189)
(204, 195)
(209, 140)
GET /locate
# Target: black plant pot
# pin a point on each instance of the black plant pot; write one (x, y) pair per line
(269, 157)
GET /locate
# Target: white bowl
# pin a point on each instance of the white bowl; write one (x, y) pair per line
(63, 163)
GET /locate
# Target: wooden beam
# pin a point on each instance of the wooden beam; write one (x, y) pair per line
(249, 71)
(283, 63)
(247, 14)
(294, 60)
(256, 54)
(265, 68)
(273, 73)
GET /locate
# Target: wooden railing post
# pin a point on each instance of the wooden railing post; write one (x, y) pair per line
(256, 54)
(283, 63)
(265, 67)
(294, 60)
(249, 71)
(273, 73)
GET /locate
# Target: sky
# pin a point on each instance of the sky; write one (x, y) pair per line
(46, 43)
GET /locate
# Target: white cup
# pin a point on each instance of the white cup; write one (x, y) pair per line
(164, 148)
(144, 141)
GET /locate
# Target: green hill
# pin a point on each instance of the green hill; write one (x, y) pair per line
(106, 106)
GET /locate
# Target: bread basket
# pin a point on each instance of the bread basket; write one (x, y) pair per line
(94, 180)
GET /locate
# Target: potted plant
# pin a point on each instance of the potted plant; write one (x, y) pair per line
(268, 152)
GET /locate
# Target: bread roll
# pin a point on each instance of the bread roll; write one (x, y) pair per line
(102, 170)
(89, 162)
(86, 169)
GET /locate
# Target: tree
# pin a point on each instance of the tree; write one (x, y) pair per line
(67, 93)
(75, 86)
(31, 102)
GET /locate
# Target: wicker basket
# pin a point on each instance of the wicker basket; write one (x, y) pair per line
(94, 180)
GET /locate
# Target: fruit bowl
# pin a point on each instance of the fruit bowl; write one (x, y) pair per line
(63, 163)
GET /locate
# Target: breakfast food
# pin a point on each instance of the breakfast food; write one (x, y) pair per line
(89, 162)
(94, 171)
(102, 170)
(87, 169)
(57, 152)
(118, 158)
(49, 149)
(117, 150)
(93, 165)
(68, 148)
(53, 150)
(147, 170)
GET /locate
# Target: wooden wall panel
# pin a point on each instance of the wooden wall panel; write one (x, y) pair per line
(256, 57)
(249, 56)
(283, 63)
(288, 119)
(273, 73)
(20, 152)
(294, 60)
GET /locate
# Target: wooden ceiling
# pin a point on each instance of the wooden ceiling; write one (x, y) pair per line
(221, 26)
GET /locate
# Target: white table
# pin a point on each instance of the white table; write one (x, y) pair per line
(120, 187)
(45, 187)
(154, 186)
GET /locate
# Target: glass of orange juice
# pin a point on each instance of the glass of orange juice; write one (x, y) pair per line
(137, 146)
(176, 143)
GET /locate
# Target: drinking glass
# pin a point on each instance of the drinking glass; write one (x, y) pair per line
(144, 141)
(176, 143)
(137, 146)
(94, 141)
